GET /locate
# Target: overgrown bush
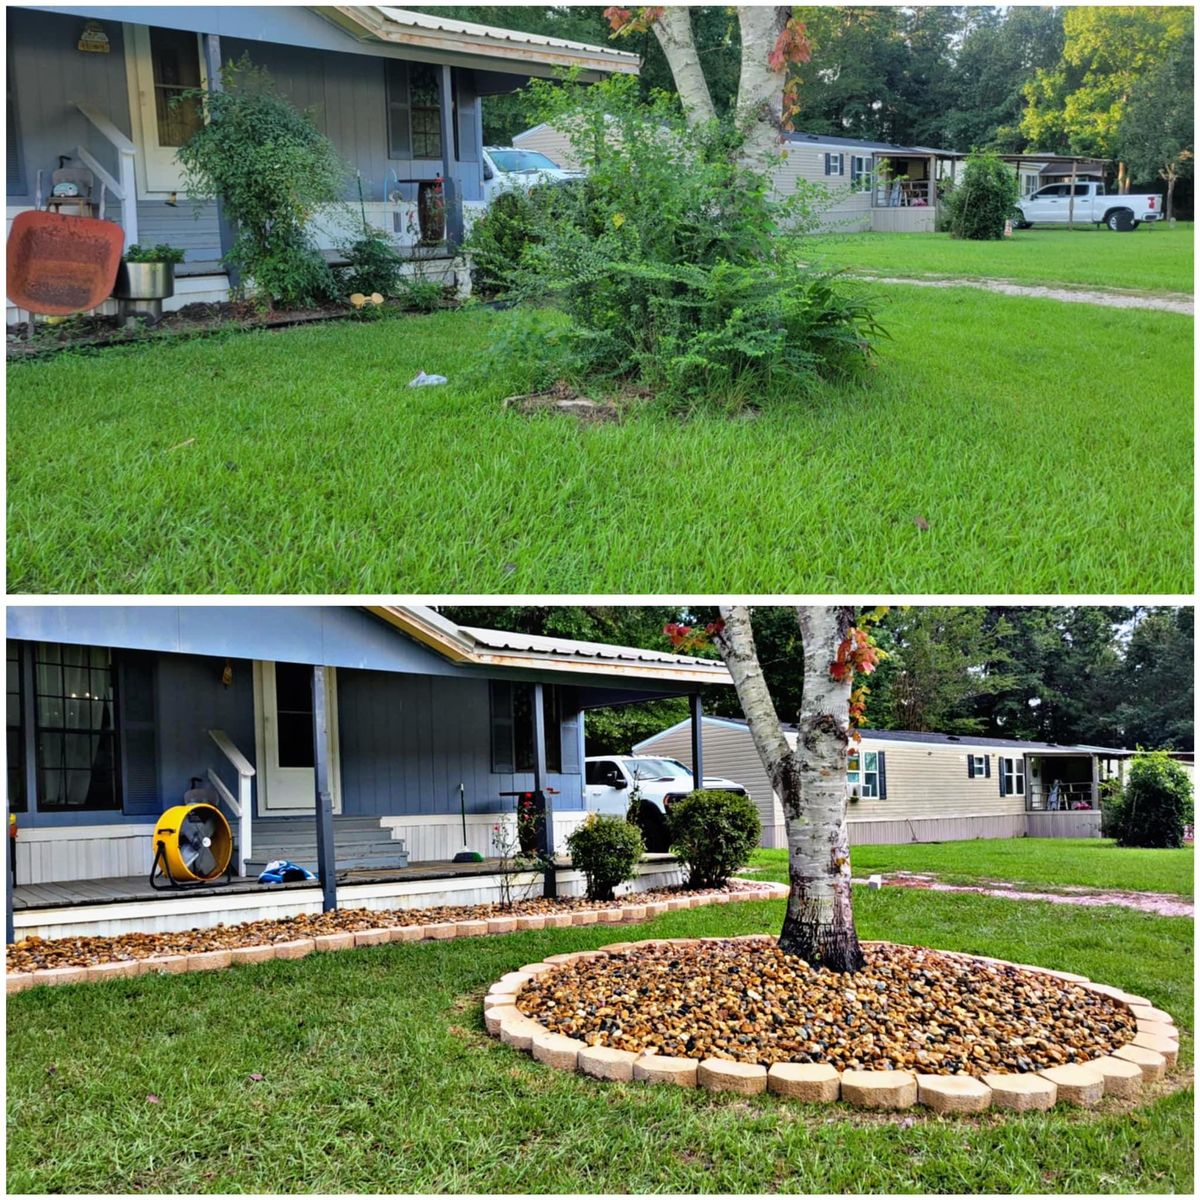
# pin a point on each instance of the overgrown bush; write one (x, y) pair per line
(984, 200)
(1157, 803)
(607, 850)
(714, 834)
(273, 170)
(372, 264)
(1112, 795)
(678, 268)
(498, 239)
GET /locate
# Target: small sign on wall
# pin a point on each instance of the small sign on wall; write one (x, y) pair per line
(93, 39)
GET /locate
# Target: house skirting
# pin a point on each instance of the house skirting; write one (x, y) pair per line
(903, 220)
(170, 914)
(899, 830)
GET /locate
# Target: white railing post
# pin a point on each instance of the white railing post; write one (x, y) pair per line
(125, 187)
(241, 804)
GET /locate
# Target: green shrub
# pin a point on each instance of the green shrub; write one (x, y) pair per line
(606, 850)
(1157, 802)
(1112, 795)
(162, 253)
(372, 264)
(273, 170)
(984, 199)
(678, 269)
(714, 833)
(497, 241)
(420, 295)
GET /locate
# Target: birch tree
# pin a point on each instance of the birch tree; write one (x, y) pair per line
(771, 40)
(809, 778)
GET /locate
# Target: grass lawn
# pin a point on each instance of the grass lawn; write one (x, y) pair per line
(1039, 862)
(1047, 447)
(1150, 259)
(377, 1076)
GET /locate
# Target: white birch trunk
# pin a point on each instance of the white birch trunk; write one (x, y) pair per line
(810, 780)
(759, 109)
(673, 29)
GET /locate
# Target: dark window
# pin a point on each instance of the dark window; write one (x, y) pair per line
(175, 56)
(76, 728)
(294, 714)
(16, 731)
(425, 111)
(512, 727)
(16, 177)
(602, 774)
(396, 86)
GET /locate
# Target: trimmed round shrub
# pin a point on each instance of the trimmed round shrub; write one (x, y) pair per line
(607, 851)
(984, 199)
(1157, 803)
(714, 833)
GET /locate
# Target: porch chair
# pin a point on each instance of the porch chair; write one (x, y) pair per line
(87, 202)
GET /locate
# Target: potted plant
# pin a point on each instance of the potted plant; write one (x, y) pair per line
(145, 278)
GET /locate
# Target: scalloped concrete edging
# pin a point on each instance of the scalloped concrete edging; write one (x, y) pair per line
(212, 960)
(1152, 1052)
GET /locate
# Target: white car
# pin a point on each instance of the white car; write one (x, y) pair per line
(509, 169)
(1052, 205)
(610, 779)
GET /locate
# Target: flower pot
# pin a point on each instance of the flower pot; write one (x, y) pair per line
(142, 287)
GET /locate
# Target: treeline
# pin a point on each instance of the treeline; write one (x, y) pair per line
(1100, 675)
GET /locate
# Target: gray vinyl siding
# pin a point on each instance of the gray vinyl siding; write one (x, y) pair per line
(48, 76)
(191, 228)
(408, 741)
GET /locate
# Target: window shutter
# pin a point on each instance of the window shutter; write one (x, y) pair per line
(881, 761)
(136, 672)
(828, 171)
(502, 728)
(841, 159)
(1002, 763)
(970, 766)
(987, 766)
(399, 123)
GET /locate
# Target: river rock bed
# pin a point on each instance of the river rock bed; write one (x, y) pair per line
(36, 953)
(745, 1000)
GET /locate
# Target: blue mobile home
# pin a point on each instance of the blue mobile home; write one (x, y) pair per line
(399, 93)
(114, 710)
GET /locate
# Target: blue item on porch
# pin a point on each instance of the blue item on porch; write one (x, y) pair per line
(280, 870)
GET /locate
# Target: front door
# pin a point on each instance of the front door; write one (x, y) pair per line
(164, 64)
(284, 707)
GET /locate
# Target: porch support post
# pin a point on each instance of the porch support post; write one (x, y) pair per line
(451, 197)
(697, 708)
(225, 231)
(1071, 225)
(326, 855)
(9, 857)
(550, 879)
(1095, 760)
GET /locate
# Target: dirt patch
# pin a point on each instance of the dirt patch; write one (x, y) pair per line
(908, 1009)
(564, 399)
(1104, 297)
(1159, 904)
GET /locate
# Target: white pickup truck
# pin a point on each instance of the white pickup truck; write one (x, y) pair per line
(609, 780)
(509, 169)
(1052, 205)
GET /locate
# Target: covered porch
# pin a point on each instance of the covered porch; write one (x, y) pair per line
(905, 188)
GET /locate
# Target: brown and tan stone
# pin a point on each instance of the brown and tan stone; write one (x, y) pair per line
(440, 931)
(502, 924)
(1121, 1077)
(556, 921)
(663, 1068)
(557, 1051)
(407, 933)
(470, 928)
(1166, 1046)
(1152, 1064)
(953, 1093)
(498, 1013)
(371, 937)
(605, 1062)
(210, 960)
(327, 942)
(294, 949)
(1022, 1093)
(519, 1031)
(813, 1083)
(18, 981)
(243, 955)
(719, 1075)
(526, 924)
(879, 1089)
(611, 916)
(634, 912)
(128, 967)
(177, 964)
(1077, 1083)
(587, 916)
(1143, 1012)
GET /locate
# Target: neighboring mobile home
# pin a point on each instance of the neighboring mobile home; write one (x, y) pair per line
(114, 711)
(926, 787)
(398, 92)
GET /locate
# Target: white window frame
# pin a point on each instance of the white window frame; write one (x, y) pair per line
(1012, 771)
(860, 172)
(979, 765)
(837, 163)
(862, 773)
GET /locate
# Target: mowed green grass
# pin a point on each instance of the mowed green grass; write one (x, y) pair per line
(1046, 446)
(378, 1077)
(1037, 862)
(1152, 258)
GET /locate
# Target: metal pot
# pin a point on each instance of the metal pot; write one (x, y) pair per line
(145, 281)
(142, 287)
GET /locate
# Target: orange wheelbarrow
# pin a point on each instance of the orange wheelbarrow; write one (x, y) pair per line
(62, 265)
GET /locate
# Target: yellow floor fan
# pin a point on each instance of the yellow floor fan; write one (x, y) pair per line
(193, 845)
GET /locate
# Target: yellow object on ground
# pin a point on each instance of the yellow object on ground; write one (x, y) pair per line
(196, 841)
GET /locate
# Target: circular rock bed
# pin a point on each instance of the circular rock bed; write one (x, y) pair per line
(957, 1032)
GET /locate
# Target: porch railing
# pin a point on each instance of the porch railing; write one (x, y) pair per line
(239, 805)
(124, 185)
(904, 193)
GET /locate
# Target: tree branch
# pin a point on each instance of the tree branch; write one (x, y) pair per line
(673, 29)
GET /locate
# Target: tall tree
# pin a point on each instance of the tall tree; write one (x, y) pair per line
(1078, 105)
(809, 778)
(1156, 681)
(1157, 135)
